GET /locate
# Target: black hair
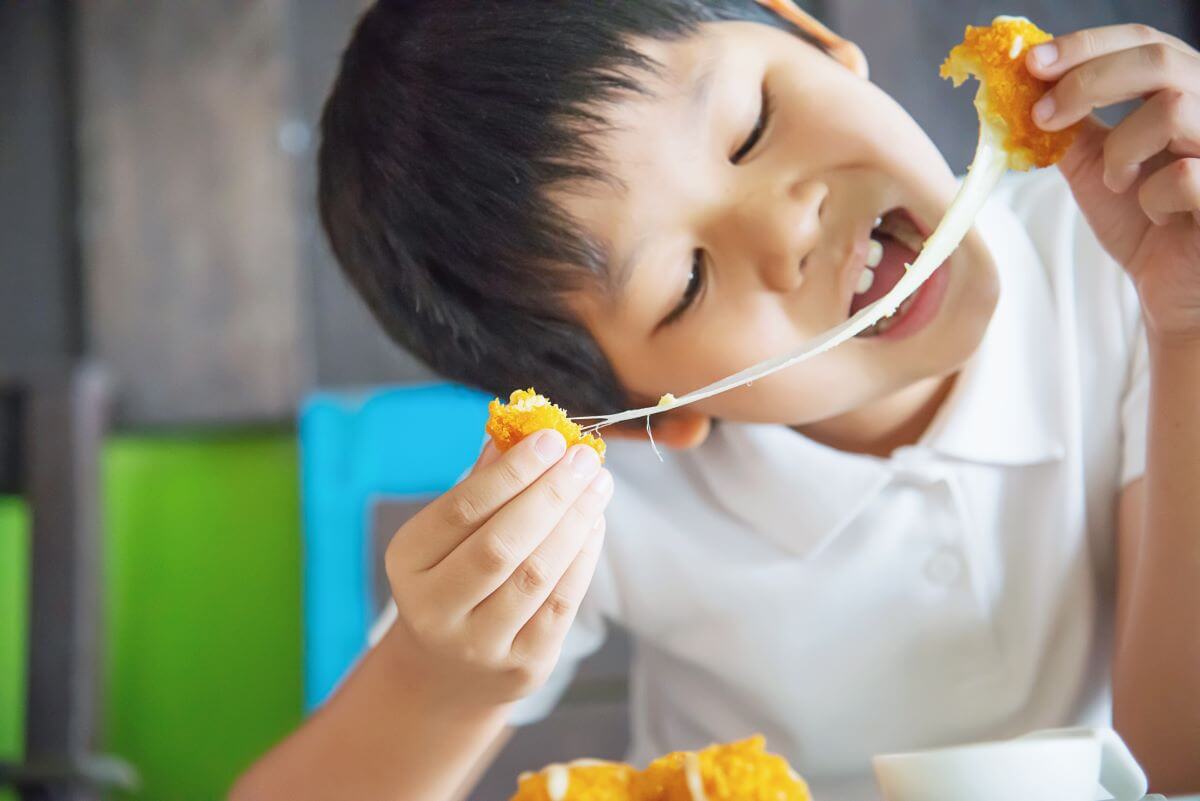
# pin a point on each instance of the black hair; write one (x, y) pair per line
(448, 124)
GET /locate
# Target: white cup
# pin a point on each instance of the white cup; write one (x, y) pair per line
(1052, 765)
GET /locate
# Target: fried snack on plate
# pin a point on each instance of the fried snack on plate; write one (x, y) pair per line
(740, 771)
(995, 54)
(527, 412)
(581, 780)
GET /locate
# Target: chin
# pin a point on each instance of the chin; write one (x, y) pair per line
(941, 348)
(974, 303)
(963, 319)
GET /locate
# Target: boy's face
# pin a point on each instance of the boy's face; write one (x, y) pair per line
(780, 237)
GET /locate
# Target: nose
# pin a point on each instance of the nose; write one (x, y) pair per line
(777, 231)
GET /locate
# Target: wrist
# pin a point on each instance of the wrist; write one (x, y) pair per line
(1177, 349)
(431, 686)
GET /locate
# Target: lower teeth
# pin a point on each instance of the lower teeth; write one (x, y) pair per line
(887, 322)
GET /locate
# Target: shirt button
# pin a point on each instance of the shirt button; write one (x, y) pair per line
(944, 567)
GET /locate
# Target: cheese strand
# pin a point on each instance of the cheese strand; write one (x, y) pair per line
(988, 166)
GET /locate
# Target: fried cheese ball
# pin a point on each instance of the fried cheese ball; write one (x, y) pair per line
(582, 780)
(527, 412)
(739, 771)
(995, 54)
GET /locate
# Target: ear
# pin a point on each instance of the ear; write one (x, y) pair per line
(847, 53)
(679, 430)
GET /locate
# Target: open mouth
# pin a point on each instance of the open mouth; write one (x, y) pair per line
(895, 242)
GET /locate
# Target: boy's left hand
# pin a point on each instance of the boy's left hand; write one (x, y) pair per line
(1138, 183)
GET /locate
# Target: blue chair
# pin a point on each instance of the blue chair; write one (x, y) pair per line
(396, 443)
(364, 457)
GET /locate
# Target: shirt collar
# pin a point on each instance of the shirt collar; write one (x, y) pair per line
(1004, 410)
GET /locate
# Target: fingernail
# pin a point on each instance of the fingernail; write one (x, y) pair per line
(1043, 110)
(1127, 176)
(1118, 181)
(549, 446)
(601, 484)
(595, 498)
(1110, 182)
(584, 461)
(1045, 54)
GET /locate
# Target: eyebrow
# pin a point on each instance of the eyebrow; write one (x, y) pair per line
(700, 88)
(619, 278)
(699, 92)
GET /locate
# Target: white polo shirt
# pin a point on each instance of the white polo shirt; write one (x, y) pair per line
(847, 605)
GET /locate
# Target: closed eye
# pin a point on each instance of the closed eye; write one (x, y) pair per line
(760, 127)
(694, 286)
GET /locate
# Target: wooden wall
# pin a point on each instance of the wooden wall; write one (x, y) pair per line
(189, 227)
(209, 291)
(348, 348)
(185, 131)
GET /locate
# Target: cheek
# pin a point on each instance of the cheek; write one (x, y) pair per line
(732, 334)
(731, 337)
(853, 120)
(829, 385)
(722, 340)
(831, 111)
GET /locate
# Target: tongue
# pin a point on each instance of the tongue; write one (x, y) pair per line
(887, 272)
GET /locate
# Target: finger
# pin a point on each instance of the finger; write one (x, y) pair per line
(503, 613)
(486, 559)
(543, 635)
(1168, 121)
(441, 526)
(1174, 188)
(1050, 60)
(489, 455)
(1114, 78)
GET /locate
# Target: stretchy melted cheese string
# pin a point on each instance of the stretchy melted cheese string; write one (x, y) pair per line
(989, 165)
(1000, 146)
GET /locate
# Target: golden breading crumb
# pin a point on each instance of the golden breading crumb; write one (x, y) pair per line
(667, 400)
(585, 780)
(995, 54)
(740, 771)
(528, 412)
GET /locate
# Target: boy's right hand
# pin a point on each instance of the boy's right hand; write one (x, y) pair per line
(487, 578)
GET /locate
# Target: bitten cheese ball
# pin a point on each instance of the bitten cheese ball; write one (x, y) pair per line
(528, 412)
(995, 54)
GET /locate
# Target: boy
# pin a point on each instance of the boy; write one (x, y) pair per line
(951, 528)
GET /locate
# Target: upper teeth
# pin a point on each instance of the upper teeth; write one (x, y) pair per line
(874, 253)
(865, 279)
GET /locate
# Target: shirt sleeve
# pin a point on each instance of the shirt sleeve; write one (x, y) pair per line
(1135, 402)
(585, 637)
(382, 623)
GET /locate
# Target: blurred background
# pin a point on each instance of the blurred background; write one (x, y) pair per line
(200, 439)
